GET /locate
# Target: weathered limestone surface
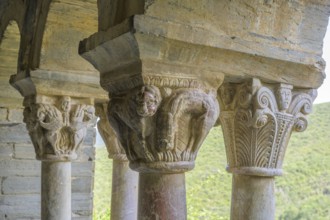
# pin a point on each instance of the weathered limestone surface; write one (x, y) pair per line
(9, 48)
(67, 23)
(236, 38)
(124, 196)
(61, 73)
(257, 121)
(57, 127)
(51, 48)
(177, 45)
(167, 193)
(161, 112)
(252, 198)
(108, 134)
(56, 190)
(285, 30)
(20, 173)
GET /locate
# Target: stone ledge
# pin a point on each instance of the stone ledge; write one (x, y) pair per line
(134, 53)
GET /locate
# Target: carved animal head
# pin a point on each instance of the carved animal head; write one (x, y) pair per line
(147, 101)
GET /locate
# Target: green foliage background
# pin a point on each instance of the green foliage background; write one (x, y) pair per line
(303, 193)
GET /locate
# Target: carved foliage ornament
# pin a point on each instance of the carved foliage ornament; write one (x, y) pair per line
(58, 130)
(257, 121)
(163, 128)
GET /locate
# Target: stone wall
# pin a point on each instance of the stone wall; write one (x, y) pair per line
(20, 172)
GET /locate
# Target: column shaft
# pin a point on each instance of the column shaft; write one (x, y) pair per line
(124, 191)
(56, 190)
(162, 196)
(252, 198)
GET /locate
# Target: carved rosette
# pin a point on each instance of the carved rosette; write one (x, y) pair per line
(109, 136)
(257, 121)
(57, 126)
(162, 125)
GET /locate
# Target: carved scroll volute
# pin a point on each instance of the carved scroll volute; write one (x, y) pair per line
(109, 136)
(162, 129)
(57, 127)
(257, 120)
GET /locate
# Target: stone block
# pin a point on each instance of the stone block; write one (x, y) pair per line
(24, 151)
(82, 184)
(20, 206)
(21, 185)
(16, 115)
(3, 115)
(20, 168)
(81, 169)
(6, 151)
(14, 133)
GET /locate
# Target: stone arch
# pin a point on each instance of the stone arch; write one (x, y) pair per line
(11, 10)
(9, 50)
(67, 23)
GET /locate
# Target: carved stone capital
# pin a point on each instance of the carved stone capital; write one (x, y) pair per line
(109, 136)
(57, 125)
(162, 127)
(257, 121)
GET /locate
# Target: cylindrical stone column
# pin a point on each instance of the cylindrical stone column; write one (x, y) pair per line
(124, 191)
(55, 190)
(162, 196)
(160, 120)
(57, 127)
(124, 180)
(257, 121)
(252, 198)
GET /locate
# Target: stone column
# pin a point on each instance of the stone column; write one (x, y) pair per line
(56, 190)
(162, 196)
(257, 121)
(162, 130)
(57, 127)
(124, 180)
(163, 102)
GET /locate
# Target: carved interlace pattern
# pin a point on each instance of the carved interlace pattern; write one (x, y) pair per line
(163, 128)
(257, 120)
(57, 131)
